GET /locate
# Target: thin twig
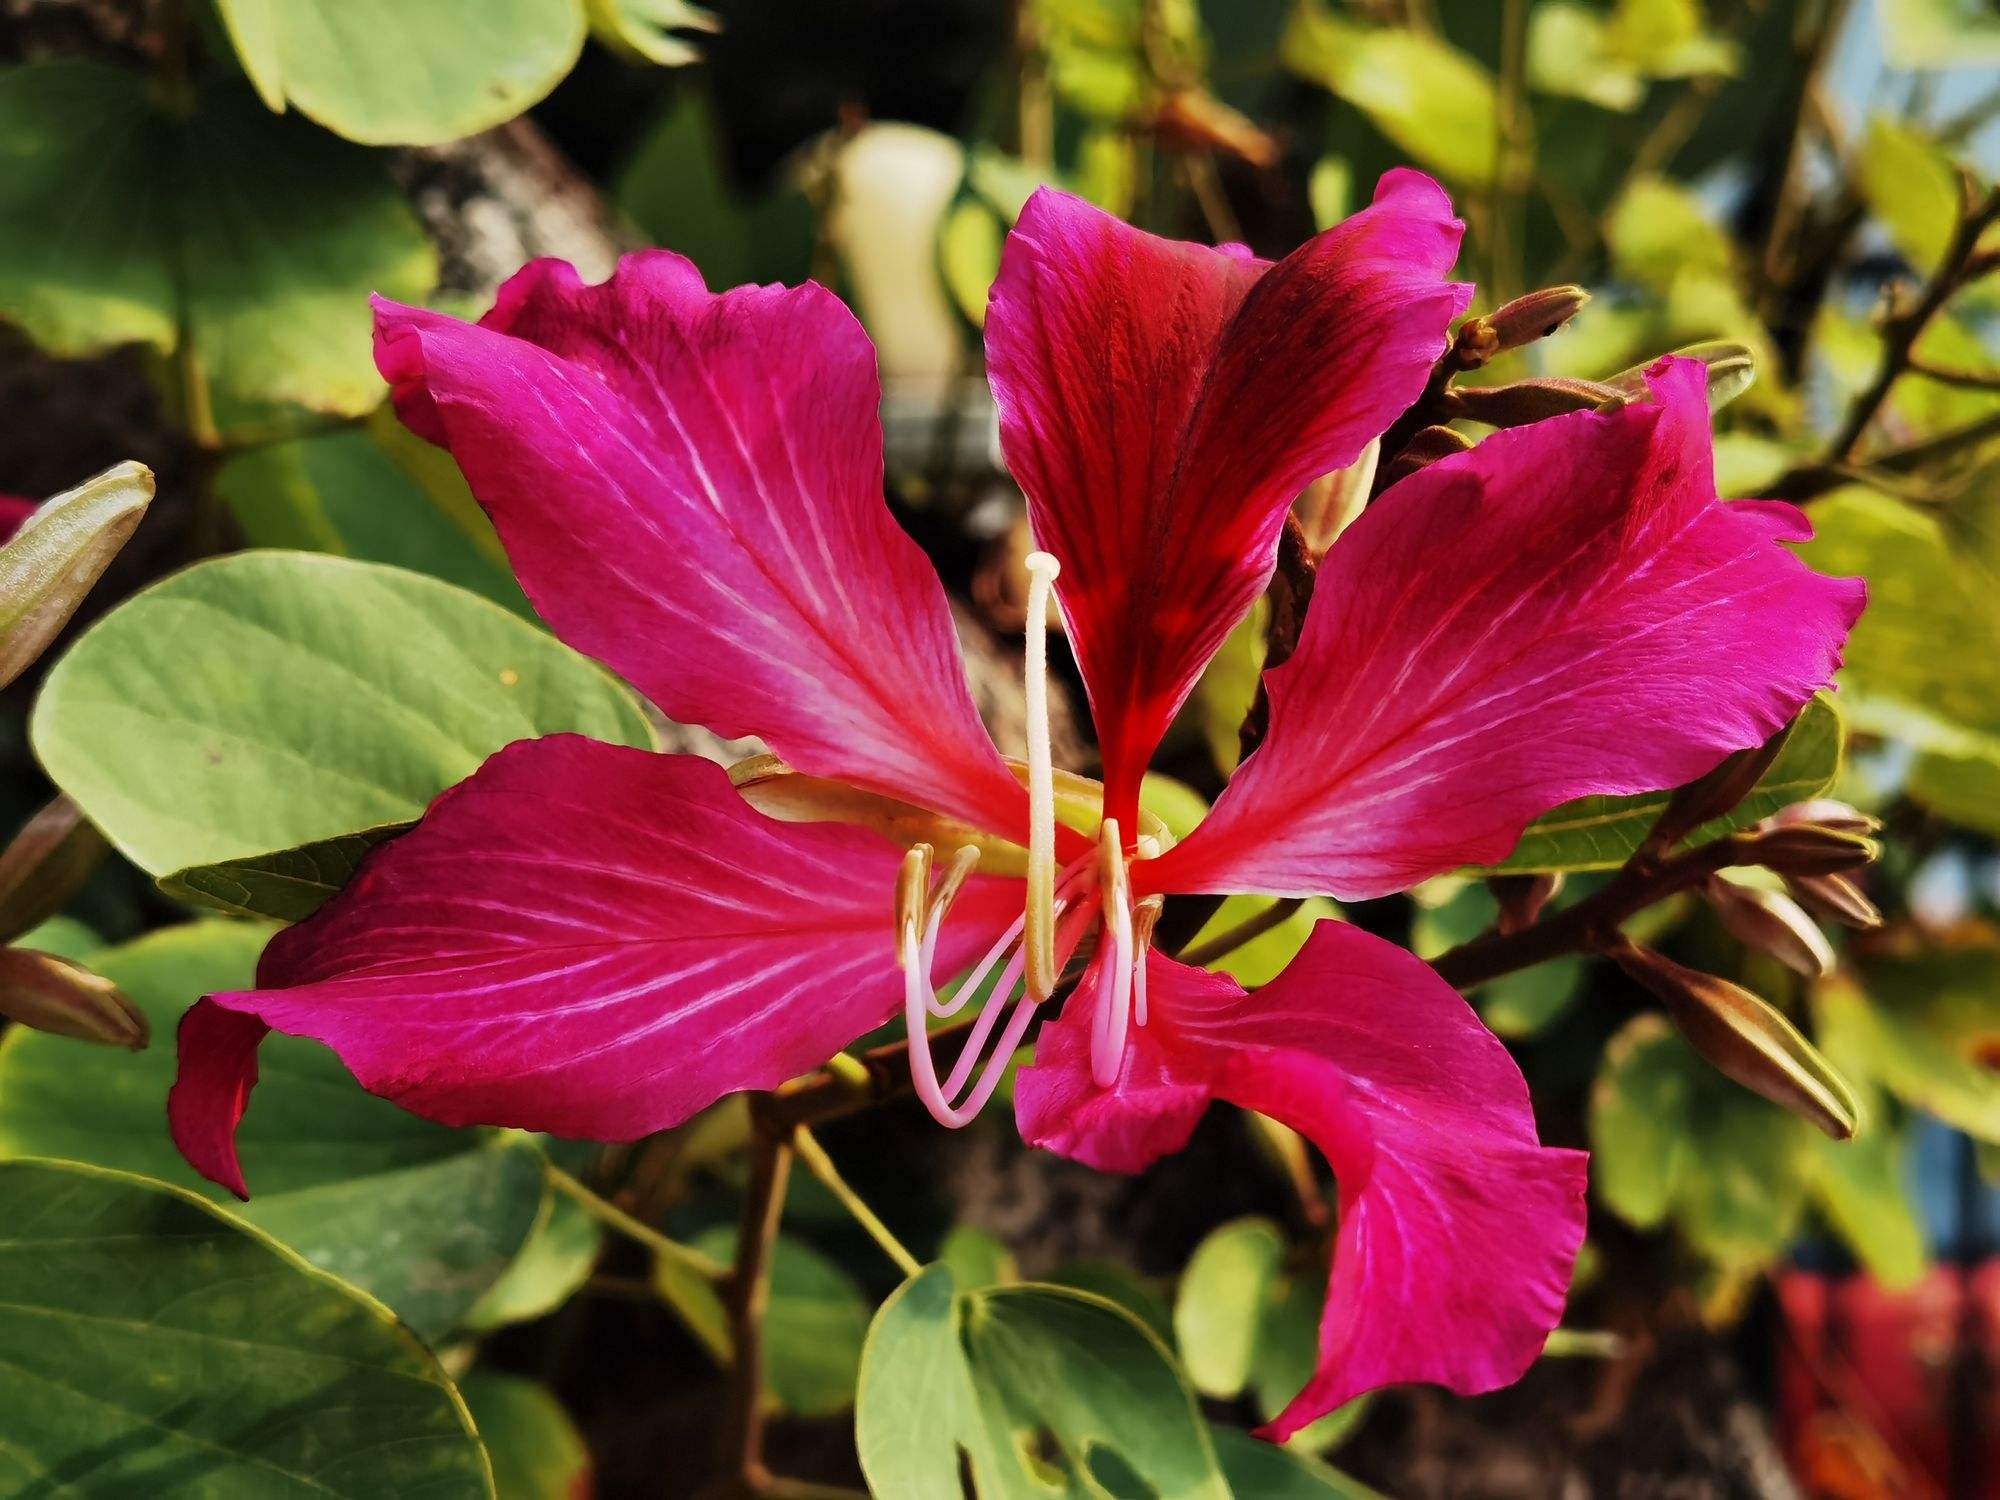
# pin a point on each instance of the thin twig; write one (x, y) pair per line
(1247, 931)
(817, 1162)
(1970, 380)
(749, 1297)
(612, 1216)
(1793, 187)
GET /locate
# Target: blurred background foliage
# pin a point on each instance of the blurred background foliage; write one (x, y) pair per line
(197, 198)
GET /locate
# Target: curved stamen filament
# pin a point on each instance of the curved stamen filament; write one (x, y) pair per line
(1041, 922)
(1145, 917)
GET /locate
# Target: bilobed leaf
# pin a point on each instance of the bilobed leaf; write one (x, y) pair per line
(1425, 95)
(1221, 1301)
(1044, 1390)
(273, 699)
(424, 1217)
(151, 1345)
(404, 72)
(1601, 833)
(976, 1258)
(48, 565)
(537, 1452)
(256, 239)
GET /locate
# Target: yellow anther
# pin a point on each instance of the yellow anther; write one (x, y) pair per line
(1039, 930)
(913, 889)
(962, 864)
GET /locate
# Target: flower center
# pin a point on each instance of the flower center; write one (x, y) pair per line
(1060, 904)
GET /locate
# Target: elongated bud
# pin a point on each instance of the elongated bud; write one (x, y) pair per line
(1522, 898)
(1428, 446)
(1824, 812)
(45, 865)
(1732, 370)
(1745, 1039)
(1534, 400)
(1718, 792)
(1771, 922)
(1807, 849)
(51, 994)
(1835, 898)
(59, 552)
(1535, 316)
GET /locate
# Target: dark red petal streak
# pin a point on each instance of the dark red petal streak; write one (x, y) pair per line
(1458, 1230)
(583, 939)
(14, 512)
(1565, 610)
(690, 488)
(1162, 403)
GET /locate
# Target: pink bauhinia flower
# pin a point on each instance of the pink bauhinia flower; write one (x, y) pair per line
(599, 941)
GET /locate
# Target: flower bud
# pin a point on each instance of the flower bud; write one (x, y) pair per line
(1771, 922)
(1826, 812)
(1745, 1039)
(1428, 446)
(1717, 793)
(1331, 503)
(1533, 400)
(51, 562)
(1834, 898)
(52, 994)
(1521, 898)
(45, 865)
(1807, 849)
(1535, 316)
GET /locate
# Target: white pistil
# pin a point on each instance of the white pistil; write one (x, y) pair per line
(1114, 1006)
(1040, 942)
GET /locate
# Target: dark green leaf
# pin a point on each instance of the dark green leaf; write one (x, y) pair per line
(151, 1346)
(536, 1450)
(813, 1328)
(1258, 1470)
(287, 885)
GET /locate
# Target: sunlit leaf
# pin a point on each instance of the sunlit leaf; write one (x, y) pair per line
(150, 1345)
(404, 72)
(1940, 33)
(48, 565)
(1927, 1028)
(648, 29)
(558, 1258)
(272, 699)
(1432, 100)
(1909, 185)
(256, 239)
(1221, 1301)
(1659, 231)
(423, 1217)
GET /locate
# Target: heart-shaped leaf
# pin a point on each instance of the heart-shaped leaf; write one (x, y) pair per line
(151, 1345)
(273, 699)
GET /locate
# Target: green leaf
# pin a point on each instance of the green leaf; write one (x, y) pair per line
(1670, 1136)
(404, 72)
(1221, 1301)
(1258, 1470)
(1601, 833)
(1046, 1391)
(150, 1345)
(976, 1258)
(287, 885)
(256, 239)
(371, 494)
(48, 565)
(1658, 231)
(557, 1259)
(1122, 1285)
(813, 1327)
(1927, 1029)
(1860, 1187)
(536, 1450)
(1228, 687)
(1426, 96)
(1940, 33)
(1265, 956)
(644, 29)
(273, 699)
(423, 1217)
(1909, 184)
(1288, 1353)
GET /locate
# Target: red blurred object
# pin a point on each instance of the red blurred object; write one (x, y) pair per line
(1887, 1395)
(13, 511)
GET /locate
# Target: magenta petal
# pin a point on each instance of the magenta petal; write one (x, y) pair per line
(1458, 1230)
(1565, 610)
(584, 939)
(1162, 403)
(690, 488)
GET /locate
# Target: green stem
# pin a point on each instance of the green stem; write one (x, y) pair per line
(1248, 930)
(817, 1162)
(612, 1216)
